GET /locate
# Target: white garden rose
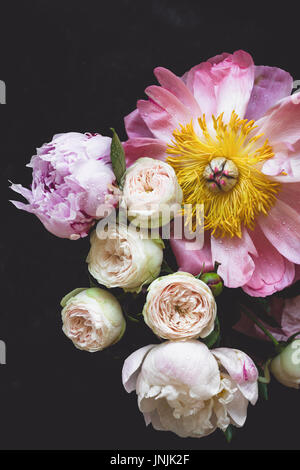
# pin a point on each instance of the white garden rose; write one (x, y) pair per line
(121, 257)
(151, 193)
(286, 366)
(179, 306)
(185, 388)
(92, 318)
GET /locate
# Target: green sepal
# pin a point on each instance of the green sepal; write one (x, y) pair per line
(117, 157)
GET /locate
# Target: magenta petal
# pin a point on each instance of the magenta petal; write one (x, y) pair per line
(135, 126)
(270, 85)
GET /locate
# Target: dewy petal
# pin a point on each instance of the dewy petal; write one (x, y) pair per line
(234, 255)
(159, 121)
(192, 261)
(175, 85)
(144, 147)
(135, 126)
(132, 366)
(281, 123)
(241, 369)
(272, 271)
(271, 84)
(282, 228)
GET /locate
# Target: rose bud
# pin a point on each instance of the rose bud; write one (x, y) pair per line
(151, 193)
(92, 319)
(180, 307)
(214, 282)
(184, 387)
(286, 366)
(72, 176)
(121, 257)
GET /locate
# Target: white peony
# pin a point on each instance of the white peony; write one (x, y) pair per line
(185, 388)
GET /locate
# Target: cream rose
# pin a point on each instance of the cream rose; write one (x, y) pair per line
(92, 318)
(286, 366)
(121, 257)
(179, 306)
(151, 193)
(185, 388)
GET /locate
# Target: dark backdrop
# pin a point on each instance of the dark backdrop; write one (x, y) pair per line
(80, 66)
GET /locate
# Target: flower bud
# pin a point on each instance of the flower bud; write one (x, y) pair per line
(214, 282)
(92, 318)
(286, 366)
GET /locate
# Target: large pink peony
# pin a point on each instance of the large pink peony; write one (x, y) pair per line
(231, 132)
(72, 177)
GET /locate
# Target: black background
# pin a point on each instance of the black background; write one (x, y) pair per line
(80, 66)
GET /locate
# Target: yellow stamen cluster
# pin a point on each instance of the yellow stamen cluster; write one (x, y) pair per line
(225, 212)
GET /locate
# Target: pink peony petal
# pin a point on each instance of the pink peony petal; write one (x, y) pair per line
(270, 85)
(175, 85)
(192, 261)
(144, 147)
(135, 126)
(272, 271)
(234, 255)
(161, 123)
(282, 229)
(167, 101)
(281, 123)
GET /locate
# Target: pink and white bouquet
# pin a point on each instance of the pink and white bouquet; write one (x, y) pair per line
(196, 217)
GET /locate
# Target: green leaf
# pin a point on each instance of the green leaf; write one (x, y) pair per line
(211, 339)
(117, 157)
(291, 338)
(263, 390)
(229, 433)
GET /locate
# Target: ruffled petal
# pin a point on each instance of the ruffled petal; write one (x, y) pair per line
(241, 369)
(167, 101)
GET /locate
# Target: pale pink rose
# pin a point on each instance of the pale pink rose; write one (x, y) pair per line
(151, 193)
(121, 257)
(185, 388)
(180, 307)
(257, 243)
(92, 319)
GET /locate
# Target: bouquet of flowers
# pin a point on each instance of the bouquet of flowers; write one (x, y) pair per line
(201, 201)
